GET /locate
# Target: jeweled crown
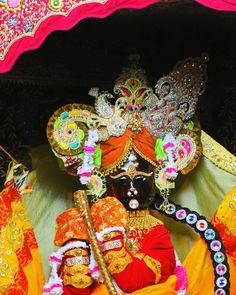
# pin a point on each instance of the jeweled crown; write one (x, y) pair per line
(75, 131)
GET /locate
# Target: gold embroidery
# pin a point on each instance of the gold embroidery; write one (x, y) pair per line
(110, 235)
(217, 154)
(78, 281)
(132, 172)
(75, 269)
(154, 265)
(9, 32)
(77, 252)
(142, 219)
(117, 260)
(143, 156)
(112, 167)
(133, 245)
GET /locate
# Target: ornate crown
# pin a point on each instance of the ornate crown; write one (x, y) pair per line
(163, 118)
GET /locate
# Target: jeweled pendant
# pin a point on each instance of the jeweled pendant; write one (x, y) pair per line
(133, 204)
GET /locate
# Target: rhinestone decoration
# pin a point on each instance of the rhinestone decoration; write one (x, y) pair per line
(133, 204)
(221, 269)
(219, 257)
(181, 214)
(191, 218)
(201, 225)
(221, 282)
(170, 209)
(220, 292)
(215, 245)
(209, 234)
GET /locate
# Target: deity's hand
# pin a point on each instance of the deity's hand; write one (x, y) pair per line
(72, 235)
(110, 220)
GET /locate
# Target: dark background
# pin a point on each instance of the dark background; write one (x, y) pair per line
(92, 54)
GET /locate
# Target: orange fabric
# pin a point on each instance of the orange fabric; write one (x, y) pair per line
(114, 147)
(21, 269)
(201, 280)
(225, 222)
(108, 212)
(167, 288)
(70, 225)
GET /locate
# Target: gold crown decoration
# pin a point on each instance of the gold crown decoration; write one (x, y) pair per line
(76, 131)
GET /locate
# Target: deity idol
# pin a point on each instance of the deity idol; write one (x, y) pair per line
(128, 157)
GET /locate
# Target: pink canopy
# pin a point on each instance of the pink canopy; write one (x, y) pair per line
(24, 24)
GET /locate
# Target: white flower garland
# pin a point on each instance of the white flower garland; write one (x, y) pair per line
(85, 171)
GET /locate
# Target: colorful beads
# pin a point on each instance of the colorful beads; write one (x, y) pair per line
(191, 218)
(209, 234)
(201, 225)
(219, 257)
(181, 214)
(170, 209)
(221, 282)
(215, 245)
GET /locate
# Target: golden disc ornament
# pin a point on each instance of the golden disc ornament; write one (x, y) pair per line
(67, 129)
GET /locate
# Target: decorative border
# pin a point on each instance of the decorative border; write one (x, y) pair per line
(217, 154)
(56, 20)
(211, 237)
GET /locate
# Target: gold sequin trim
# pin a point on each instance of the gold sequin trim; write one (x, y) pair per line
(144, 157)
(217, 154)
(120, 161)
(154, 265)
(77, 252)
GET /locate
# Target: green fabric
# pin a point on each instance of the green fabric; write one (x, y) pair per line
(190, 125)
(97, 158)
(202, 190)
(159, 151)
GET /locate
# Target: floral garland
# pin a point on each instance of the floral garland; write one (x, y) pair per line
(85, 171)
(180, 272)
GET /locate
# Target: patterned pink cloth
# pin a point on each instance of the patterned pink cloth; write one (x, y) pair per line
(226, 5)
(25, 24)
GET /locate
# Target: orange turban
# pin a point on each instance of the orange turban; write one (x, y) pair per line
(116, 150)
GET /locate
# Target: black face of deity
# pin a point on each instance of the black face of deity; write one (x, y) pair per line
(133, 184)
